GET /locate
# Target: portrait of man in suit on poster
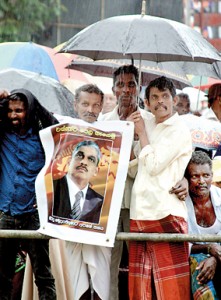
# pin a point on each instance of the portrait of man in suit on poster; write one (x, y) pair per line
(73, 196)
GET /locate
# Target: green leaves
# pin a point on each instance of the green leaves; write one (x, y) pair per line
(21, 20)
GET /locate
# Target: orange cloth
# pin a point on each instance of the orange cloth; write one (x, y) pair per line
(162, 262)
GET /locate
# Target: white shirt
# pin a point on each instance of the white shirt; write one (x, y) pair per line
(214, 229)
(73, 190)
(161, 164)
(114, 116)
(111, 116)
(210, 115)
(215, 194)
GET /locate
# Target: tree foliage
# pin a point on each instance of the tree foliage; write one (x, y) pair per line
(25, 20)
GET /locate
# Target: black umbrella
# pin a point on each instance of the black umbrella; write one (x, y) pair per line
(149, 70)
(141, 37)
(50, 93)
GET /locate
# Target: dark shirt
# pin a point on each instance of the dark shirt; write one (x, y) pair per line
(218, 151)
(21, 159)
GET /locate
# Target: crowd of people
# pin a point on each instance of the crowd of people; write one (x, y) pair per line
(169, 189)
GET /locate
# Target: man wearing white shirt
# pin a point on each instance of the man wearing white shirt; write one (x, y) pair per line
(159, 269)
(126, 90)
(89, 264)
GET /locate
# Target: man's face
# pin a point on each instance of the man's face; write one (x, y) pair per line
(161, 104)
(126, 90)
(17, 115)
(182, 106)
(88, 106)
(200, 179)
(110, 101)
(83, 164)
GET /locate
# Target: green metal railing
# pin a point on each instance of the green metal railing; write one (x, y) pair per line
(123, 236)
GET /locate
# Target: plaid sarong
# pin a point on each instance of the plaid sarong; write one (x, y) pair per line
(201, 291)
(159, 267)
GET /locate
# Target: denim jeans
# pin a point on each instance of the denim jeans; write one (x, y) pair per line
(38, 251)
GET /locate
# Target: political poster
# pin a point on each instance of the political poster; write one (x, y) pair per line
(93, 159)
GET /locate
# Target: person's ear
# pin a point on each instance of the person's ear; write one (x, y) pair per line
(96, 172)
(146, 103)
(175, 100)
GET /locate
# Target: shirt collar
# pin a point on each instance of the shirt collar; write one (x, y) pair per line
(170, 121)
(74, 188)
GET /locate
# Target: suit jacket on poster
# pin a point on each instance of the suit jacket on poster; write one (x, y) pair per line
(62, 206)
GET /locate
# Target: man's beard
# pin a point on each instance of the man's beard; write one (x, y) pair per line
(127, 110)
(15, 126)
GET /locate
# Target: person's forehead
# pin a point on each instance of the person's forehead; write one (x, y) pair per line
(125, 77)
(109, 97)
(183, 100)
(90, 97)
(155, 91)
(199, 168)
(16, 103)
(89, 150)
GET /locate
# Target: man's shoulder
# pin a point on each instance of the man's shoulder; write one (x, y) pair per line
(210, 115)
(146, 114)
(93, 194)
(216, 191)
(112, 115)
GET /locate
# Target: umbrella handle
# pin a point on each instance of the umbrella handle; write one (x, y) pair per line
(198, 98)
(139, 80)
(143, 9)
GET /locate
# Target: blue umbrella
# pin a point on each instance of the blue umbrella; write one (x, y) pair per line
(27, 56)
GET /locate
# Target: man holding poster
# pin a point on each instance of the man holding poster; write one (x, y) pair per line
(73, 197)
(126, 90)
(90, 263)
(159, 269)
(88, 244)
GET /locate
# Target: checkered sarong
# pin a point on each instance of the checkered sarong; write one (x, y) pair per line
(162, 265)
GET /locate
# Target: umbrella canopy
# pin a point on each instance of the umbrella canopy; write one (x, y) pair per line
(150, 70)
(141, 37)
(27, 56)
(206, 134)
(52, 94)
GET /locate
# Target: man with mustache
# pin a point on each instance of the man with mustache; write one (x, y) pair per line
(159, 269)
(83, 166)
(126, 89)
(88, 102)
(90, 263)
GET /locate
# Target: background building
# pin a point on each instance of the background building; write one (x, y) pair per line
(80, 14)
(205, 16)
